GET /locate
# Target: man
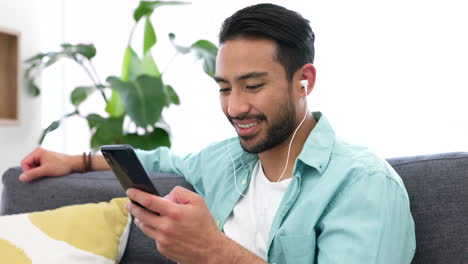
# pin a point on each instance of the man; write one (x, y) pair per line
(286, 190)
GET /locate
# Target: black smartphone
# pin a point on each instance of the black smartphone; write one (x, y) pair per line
(127, 168)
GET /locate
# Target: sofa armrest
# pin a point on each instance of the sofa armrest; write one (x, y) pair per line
(78, 188)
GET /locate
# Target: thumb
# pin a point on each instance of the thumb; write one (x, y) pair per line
(181, 195)
(32, 174)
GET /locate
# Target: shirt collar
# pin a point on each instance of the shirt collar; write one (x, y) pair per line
(319, 144)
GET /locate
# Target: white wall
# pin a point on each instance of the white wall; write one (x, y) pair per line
(17, 140)
(391, 74)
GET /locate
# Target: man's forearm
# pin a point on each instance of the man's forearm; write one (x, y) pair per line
(233, 253)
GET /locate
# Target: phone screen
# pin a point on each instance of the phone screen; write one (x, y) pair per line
(127, 168)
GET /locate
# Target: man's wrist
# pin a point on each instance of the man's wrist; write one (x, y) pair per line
(76, 163)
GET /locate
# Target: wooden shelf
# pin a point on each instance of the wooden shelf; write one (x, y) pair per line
(9, 76)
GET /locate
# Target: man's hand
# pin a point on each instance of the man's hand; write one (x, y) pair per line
(41, 162)
(185, 230)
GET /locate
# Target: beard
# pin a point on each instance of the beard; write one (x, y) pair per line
(279, 130)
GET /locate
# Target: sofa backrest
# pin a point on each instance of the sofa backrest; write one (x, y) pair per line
(437, 186)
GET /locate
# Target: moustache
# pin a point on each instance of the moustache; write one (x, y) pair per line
(246, 116)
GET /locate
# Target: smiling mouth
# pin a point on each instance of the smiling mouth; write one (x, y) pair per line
(249, 125)
(247, 129)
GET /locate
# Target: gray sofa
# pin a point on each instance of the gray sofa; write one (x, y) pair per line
(437, 187)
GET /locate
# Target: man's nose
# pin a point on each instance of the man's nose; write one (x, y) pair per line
(238, 104)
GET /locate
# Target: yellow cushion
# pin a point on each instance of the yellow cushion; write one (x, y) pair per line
(12, 254)
(88, 233)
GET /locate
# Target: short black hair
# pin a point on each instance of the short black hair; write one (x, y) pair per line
(290, 31)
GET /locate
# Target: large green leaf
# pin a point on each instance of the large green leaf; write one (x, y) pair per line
(44, 60)
(131, 66)
(104, 130)
(87, 50)
(34, 66)
(94, 120)
(144, 98)
(115, 107)
(159, 137)
(149, 38)
(149, 66)
(206, 51)
(109, 131)
(203, 49)
(146, 8)
(38, 62)
(79, 94)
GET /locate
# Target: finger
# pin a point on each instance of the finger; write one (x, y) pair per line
(32, 174)
(170, 197)
(148, 230)
(31, 160)
(181, 195)
(152, 202)
(163, 243)
(144, 215)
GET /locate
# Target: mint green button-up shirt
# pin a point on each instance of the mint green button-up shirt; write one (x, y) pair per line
(343, 205)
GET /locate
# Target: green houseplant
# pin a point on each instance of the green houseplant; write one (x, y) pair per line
(138, 95)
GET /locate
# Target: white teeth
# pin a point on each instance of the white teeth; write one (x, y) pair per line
(247, 125)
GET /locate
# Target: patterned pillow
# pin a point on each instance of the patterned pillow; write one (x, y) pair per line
(87, 233)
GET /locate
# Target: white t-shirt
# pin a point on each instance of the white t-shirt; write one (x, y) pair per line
(250, 222)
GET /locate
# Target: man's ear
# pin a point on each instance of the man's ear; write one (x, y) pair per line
(307, 73)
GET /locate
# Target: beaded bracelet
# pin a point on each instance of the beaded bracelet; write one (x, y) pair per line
(89, 166)
(87, 162)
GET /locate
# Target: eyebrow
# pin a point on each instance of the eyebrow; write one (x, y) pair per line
(243, 77)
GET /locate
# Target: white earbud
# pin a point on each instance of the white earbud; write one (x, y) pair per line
(305, 83)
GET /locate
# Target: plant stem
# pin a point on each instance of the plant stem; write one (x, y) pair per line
(72, 114)
(94, 71)
(93, 80)
(169, 63)
(131, 35)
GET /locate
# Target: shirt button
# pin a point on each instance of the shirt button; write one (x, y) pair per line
(244, 182)
(218, 222)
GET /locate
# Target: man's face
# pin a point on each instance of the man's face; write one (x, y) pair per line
(255, 95)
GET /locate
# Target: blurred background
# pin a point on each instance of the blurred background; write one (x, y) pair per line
(391, 75)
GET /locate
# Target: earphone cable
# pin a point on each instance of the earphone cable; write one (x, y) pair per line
(290, 144)
(234, 168)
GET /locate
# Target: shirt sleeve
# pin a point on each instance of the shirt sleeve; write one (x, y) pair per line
(369, 221)
(163, 160)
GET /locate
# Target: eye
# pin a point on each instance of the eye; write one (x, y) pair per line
(224, 90)
(253, 87)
